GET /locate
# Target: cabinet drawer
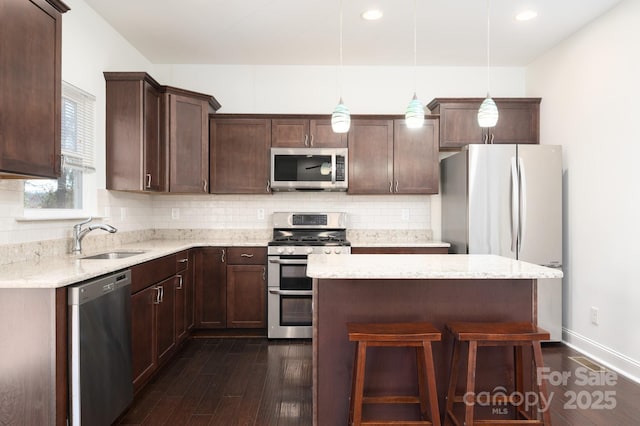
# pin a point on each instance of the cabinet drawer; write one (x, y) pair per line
(247, 255)
(151, 272)
(182, 260)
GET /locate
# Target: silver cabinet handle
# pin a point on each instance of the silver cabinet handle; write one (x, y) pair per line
(268, 186)
(289, 261)
(485, 138)
(157, 298)
(311, 143)
(161, 293)
(148, 185)
(492, 137)
(204, 185)
(390, 186)
(246, 255)
(185, 260)
(222, 256)
(291, 292)
(396, 186)
(306, 140)
(179, 283)
(264, 273)
(515, 205)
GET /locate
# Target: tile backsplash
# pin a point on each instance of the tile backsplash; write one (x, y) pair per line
(140, 216)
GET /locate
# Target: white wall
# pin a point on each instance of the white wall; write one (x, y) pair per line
(590, 88)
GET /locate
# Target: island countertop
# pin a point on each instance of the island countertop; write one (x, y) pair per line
(428, 266)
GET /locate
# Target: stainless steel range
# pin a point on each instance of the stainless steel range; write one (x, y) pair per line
(295, 236)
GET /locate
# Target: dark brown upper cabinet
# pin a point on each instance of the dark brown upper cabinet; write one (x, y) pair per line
(386, 157)
(157, 138)
(518, 123)
(239, 155)
(30, 88)
(305, 133)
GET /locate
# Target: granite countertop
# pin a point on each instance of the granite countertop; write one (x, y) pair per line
(430, 266)
(61, 271)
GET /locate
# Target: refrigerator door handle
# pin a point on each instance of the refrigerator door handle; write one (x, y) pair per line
(515, 205)
(523, 203)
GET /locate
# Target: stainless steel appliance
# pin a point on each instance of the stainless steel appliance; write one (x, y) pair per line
(100, 349)
(507, 200)
(309, 169)
(289, 298)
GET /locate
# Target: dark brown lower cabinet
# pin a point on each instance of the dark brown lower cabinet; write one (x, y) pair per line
(210, 272)
(165, 318)
(246, 296)
(143, 335)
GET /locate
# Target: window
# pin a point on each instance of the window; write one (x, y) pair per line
(68, 193)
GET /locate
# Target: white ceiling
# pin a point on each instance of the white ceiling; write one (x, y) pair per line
(306, 32)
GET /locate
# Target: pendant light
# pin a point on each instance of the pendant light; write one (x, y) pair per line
(341, 119)
(488, 112)
(414, 116)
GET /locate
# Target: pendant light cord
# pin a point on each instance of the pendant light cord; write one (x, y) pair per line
(488, 47)
(341, 76)
(415, 44)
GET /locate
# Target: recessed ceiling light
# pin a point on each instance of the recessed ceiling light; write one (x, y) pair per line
(526, 15)
(371, 15)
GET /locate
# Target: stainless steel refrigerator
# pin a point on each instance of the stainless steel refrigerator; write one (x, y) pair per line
(507, 200)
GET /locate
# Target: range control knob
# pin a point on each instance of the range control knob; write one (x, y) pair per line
(309, 250)
(290, 250)
(327, 250)
(338, 250)
(280, 250)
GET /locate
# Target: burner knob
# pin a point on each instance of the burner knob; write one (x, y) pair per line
(280, 250)
(309, 250)
(290, 250)
(327, 250)
(338, 250)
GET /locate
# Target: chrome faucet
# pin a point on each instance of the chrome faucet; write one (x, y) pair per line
(79, 233)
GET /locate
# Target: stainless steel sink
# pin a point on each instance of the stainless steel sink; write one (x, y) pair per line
(112, 255)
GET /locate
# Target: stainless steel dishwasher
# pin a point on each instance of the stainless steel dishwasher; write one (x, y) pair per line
(100, 349)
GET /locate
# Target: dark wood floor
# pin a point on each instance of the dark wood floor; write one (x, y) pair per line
(253, 381)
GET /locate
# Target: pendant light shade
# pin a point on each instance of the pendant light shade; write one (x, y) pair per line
(341, 119)
(414, 117)
(488, 113)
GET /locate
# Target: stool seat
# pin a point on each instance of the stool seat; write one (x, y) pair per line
(418, 335)
(478, 334)
(497, 331)
(393, 332)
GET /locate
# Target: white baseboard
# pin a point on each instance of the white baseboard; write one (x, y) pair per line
(609, 358)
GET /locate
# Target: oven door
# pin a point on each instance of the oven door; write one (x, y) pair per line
(290, 302)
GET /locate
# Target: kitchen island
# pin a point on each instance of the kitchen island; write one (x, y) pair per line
(401, 288)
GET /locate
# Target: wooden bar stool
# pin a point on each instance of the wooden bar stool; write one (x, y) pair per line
(415, 334)
(515, 334)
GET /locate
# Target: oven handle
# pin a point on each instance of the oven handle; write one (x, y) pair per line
(291, 292)
(289, 261)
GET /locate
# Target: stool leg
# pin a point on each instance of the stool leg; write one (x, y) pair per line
(471, 383)
(354, 370)
(453, 381)
(358, 387)
(421, 365)
(542, 388)
(431, 383)
(519, 375)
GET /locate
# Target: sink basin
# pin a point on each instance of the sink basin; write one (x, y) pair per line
(113, 255)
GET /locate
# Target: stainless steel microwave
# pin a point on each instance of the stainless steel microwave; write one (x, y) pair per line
(309, 169)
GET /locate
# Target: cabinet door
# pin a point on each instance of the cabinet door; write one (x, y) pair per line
(153, 147)
(518, 123)
(371, 157)
(165, 318)
(143, 335)
(246, 296)
(290, 133)
(239, 155)
(210, 288)
(415, 158)
(323, 136)
(188, 144)
(459, 125)
(30, 86)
